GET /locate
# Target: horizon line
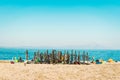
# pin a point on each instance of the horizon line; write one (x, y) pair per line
(33, 47)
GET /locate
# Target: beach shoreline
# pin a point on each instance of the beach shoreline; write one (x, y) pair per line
(5, 61)
(59, 71)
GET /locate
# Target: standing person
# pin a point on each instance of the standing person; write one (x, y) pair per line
(26, 55)
(75, 57)
(83, 57)
(87, 57)
(59, 56)
(93, 59)
(26, 58)
(65, 58)
(71, 57)
(68, 57)
(79, 57)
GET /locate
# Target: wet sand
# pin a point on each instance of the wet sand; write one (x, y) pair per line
(18, 71)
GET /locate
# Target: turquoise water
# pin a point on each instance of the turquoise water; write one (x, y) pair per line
(8, 53)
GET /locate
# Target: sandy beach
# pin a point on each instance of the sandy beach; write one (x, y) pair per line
(18, 71)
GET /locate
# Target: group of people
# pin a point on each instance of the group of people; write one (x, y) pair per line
(15, 60)
(56, 57)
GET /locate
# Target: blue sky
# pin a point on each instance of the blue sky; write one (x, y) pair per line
(91, 24)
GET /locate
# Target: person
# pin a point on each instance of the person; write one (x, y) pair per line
(93, 60)
(25, 63)
(111, 60)
(20, 59)
(98, 62)
(16, 60)
(12, 62)
(63, 59)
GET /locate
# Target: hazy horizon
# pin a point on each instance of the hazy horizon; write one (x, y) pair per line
(86, 24)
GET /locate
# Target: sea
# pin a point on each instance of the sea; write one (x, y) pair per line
(9, 53)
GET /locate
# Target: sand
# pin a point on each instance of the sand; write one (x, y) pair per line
(18, 71)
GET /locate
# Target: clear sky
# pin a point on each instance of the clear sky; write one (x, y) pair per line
(60, 23)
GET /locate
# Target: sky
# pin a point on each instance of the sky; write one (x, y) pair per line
(89, 24)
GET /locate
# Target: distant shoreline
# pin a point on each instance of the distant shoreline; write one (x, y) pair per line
(57, 48)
